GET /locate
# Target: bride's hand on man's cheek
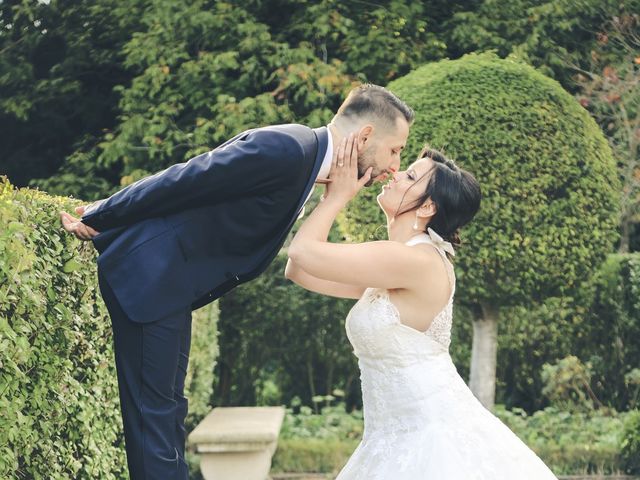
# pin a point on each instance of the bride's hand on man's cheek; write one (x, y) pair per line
(344, 171)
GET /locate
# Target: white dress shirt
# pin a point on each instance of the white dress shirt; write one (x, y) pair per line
(325, 168)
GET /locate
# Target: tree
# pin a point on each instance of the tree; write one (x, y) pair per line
(186, 89)
(59, 63)
(610, 90)
(550, 189)
(544, 33)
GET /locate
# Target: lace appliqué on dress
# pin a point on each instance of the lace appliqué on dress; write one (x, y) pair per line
(440, 328)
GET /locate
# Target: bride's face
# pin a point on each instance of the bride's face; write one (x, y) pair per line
(405, 187)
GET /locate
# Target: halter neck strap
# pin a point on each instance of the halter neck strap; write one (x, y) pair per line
(433, 238)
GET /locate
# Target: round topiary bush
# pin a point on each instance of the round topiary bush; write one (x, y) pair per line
(550, 204)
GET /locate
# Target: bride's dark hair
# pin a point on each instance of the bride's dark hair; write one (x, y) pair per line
(455, 192)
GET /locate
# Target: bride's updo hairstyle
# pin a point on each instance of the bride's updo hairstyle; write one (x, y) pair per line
(455, 192)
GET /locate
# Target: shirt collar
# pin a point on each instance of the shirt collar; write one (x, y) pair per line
(325, 168)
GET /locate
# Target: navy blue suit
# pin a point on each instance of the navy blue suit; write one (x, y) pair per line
(177, 240)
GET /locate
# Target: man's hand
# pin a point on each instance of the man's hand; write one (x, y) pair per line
(75, 226)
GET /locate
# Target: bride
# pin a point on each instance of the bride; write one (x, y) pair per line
(421, 421)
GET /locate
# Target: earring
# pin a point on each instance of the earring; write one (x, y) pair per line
(415, 224)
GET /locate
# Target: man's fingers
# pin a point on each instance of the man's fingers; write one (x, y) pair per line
(75, 226)
(366, 177)
(81, 231)
(84, 231)
(340, 153)
(67, 221)
(353, 150)
(80, 210)
(90, 230)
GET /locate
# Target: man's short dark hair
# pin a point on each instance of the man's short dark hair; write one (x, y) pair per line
(373, 101)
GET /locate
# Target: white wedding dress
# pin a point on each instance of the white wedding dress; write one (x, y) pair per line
(421, 421)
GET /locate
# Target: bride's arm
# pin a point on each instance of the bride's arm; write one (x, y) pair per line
(381, 264)
(297, 275)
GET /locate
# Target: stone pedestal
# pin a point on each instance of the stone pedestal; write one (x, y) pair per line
(237, 443)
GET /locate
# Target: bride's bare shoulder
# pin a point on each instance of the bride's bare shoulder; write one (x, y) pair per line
(435, 270)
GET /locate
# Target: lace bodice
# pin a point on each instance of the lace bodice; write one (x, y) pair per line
(375, 312)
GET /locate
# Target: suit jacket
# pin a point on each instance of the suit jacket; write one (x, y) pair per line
(190, 233)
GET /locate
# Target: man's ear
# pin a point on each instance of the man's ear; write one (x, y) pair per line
(364, 135)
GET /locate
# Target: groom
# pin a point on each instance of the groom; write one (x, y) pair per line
(177, 240)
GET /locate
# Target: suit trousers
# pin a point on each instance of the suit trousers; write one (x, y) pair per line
(151, 364)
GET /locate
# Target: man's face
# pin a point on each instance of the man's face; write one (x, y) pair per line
(382, 152)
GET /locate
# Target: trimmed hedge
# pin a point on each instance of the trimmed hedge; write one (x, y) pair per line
(59, 410)
(571, 443)
(608, 338)
(631, 443)
(312, 455)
